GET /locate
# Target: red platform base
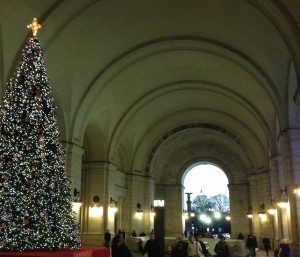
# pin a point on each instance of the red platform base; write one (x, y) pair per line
(87, 251)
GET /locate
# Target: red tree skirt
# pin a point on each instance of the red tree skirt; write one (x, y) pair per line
(87, 251)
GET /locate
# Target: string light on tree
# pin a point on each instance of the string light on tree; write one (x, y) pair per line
(35, 199)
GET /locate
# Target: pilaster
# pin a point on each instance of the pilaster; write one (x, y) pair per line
(74, 163)
(239, 206)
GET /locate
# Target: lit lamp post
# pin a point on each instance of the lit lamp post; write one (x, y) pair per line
(188, 221)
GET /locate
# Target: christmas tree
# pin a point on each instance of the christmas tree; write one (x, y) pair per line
(34, 188)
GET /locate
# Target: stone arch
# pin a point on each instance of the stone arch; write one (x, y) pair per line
(209, 161)
(205, 142)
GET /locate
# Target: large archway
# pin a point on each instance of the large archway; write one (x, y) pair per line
(206, 197)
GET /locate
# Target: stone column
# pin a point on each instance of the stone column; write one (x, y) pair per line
(239, 206)
(97, 181)
(141, 190)
(289, 143)
(277, 220)
(172, 194)
(74, 164)
(260, 195)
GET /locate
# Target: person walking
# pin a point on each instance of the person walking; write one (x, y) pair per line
(267, 244)
(221, 248)
(152, 247)
(194, 248)
(115, 245)
(251, 244)
(107, 238)
(123, 250)
(284, 249)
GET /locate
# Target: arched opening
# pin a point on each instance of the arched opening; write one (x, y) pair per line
(206, 200)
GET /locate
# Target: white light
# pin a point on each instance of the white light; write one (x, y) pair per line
(152, 214)
(139, 215)
(159, 203)
(76, 206)
(205, 219)
(272, 211)
(297, 190)
(217, 215)
(283, 203)
(250, 215)
(96, 211)
(112, 211)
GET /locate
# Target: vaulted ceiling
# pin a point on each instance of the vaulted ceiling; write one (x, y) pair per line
(130, 77)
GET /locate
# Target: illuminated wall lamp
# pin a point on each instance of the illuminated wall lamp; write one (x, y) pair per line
(283, 202)
(152, 212)
(272, 211)
(297, 190)
(249, 213)
(76, 202)
(113, 205)
(262, 213)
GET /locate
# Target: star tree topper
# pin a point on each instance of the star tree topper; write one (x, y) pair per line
(34, 26)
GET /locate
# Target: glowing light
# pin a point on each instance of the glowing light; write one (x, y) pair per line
(34, 26)
(272, 211)
(139, 215)
(217, 215)
(297, 190)
(96, 211)
(205, 218)
(282, 203)
(159, 203)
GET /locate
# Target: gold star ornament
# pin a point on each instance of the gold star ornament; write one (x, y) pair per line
(34, 26)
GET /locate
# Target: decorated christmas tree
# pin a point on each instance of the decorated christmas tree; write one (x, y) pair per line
(35, 199)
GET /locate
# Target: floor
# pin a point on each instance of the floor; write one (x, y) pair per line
(259, 254)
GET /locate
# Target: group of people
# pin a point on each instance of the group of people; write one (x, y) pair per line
(194, 248)
(251, 244)
(197, 248)
(120, 249)
(118, 245)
